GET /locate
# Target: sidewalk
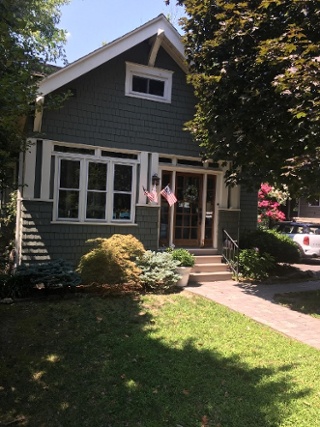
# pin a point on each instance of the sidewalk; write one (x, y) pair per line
(256, 302)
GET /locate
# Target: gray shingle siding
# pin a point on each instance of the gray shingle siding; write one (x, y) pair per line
(249, 210)
(101, 115)
(229, 221)
(43, 241)
(308, 211)
(237, 222)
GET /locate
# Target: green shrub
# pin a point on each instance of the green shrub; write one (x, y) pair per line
(7, 288)
(254, 265)
(185, 258)
(158, 270)
(49, 275)
(112, 261)
(280, 246)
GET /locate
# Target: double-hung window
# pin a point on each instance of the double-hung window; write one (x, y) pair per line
(69, 189)
(122, 191)
(95, 190)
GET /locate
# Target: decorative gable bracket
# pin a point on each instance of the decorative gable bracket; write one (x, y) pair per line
(155, 47)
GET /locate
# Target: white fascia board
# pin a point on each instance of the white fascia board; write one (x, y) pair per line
(113, 49)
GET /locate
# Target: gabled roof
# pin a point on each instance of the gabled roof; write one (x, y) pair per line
(170, 41)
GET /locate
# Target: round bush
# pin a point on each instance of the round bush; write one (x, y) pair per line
(112, 261)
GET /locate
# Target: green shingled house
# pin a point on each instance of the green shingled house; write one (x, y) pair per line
(119, 133)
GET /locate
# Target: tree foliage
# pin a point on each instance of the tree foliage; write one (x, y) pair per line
(255, 68)
(29, 39)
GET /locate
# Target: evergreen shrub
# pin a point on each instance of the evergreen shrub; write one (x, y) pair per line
(158, 271)
(112, 261)
(57, 274)
(278, 245)
(7, 286)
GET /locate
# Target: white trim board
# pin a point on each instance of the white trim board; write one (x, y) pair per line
(171, 43)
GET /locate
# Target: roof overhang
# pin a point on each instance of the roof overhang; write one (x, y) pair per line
(158, 29)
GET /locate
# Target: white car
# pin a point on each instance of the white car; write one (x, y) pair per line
(305, 235)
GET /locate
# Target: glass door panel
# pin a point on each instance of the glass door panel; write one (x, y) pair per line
(187, 226)
(209, 216)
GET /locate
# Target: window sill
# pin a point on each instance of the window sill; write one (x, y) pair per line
(94, 223)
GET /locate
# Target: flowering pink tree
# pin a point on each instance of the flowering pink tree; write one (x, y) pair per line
(269, 200)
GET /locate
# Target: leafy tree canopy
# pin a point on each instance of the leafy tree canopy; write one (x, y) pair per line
(29, 39)
(255, 68)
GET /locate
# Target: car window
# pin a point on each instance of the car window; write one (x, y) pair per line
(314, 229)
(302, 230)
(283, 228)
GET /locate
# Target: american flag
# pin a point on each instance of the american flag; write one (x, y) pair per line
(148, 194)
(168, 195)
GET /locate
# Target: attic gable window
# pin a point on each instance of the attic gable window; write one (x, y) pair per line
(150, 83)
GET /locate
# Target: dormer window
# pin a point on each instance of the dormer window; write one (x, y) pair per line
(150, 83)
(149, 86)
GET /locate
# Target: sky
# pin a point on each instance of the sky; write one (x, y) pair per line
(91, 23)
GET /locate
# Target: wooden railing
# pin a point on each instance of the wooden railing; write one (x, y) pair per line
(230, 253)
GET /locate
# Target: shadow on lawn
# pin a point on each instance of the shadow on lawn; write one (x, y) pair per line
(90, 361)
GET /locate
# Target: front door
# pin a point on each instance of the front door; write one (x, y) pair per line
(185, 224)
(188, 210)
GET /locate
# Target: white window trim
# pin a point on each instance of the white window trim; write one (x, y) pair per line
(149, 73)
(84, 164)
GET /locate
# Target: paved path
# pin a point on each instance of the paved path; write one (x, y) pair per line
(256, 301)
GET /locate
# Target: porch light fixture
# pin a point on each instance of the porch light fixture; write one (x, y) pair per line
(155, 180)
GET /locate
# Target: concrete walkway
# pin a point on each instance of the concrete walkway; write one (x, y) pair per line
(256, 302)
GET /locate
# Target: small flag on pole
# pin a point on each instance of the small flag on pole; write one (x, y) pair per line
(148, 194)
(168, 195)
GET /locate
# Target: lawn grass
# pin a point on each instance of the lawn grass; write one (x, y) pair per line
(150, 361)
(307, 302)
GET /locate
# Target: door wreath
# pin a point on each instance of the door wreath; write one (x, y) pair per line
(190, 194)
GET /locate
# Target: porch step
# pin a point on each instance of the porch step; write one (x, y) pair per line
(209, 268)
(210, 277)
(203, 251)
(208, 259)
